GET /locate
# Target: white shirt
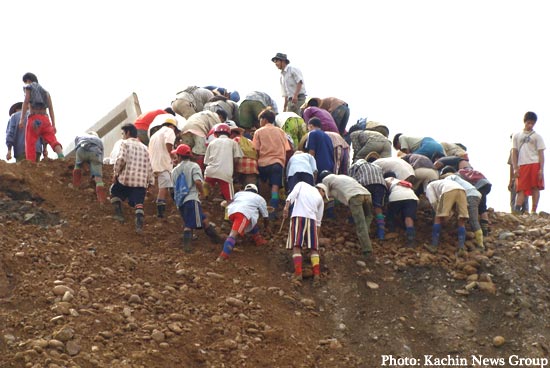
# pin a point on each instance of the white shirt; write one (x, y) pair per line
(251, 205)
(399, 192)
(437, 188)
(307, 201)
(290, 77)
(219, 157)
(402, 169)
(161, 159)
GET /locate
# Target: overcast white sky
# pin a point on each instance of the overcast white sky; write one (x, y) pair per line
(456, 71)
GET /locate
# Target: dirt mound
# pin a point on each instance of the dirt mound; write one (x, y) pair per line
(77, 289)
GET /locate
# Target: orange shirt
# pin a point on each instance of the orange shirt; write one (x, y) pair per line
(271, 145)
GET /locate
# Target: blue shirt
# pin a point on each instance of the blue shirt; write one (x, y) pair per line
(15, 137)
(320, 142)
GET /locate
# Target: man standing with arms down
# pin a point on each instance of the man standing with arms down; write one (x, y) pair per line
(292, 83)
(528, 163)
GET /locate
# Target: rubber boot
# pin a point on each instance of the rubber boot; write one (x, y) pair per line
(139, 222)
(187, 238)
(101, 194)
(118, 211)
(380, 227)
(479, 239)
(212, 235)
(77, 177)
(411, 234)
(161, 208)
(484, 227)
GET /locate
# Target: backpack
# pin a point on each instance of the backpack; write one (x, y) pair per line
(181, 190)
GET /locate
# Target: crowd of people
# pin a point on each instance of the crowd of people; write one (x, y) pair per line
(306, 156)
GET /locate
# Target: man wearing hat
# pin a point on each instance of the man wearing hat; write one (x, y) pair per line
(292, 83)
(244, 212)
(15, 137)
(188, 190)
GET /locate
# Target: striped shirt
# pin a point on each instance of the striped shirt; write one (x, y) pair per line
(366, 173)
(132, 165)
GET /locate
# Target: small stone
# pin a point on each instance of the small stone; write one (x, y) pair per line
(498, 341)
(361, 263)
(234, 302)
(64, 334)
(72, 348)
(158, 336)
(372, 285)
(134, 298)
(62, 289)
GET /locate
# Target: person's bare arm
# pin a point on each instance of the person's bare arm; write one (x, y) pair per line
(52, 114)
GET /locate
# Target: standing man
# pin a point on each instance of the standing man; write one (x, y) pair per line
(292, 83)
(89, 149)
(39, 102)
(133, 174)
(160, 148)
(15, 137)
(528, 163)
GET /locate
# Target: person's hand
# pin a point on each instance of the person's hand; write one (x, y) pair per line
(285, 212)
(8, 156)
(21, 125)
(54, 129)
(45, 152)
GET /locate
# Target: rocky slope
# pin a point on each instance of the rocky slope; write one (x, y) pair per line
(77, 289)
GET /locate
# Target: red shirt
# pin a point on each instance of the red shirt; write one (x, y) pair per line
(144, 120)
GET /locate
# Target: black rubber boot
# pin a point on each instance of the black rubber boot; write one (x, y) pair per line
(187, 238)
(161, 208)
(117, 205)
(139, 222)
(212, 234)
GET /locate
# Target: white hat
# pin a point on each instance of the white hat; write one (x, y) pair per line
(251, 187)
(325, 189)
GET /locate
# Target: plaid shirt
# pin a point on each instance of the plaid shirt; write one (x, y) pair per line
(132, 166)
(366, 173)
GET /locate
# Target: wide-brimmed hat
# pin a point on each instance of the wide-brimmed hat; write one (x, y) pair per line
(16, 106)
(280, 56)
